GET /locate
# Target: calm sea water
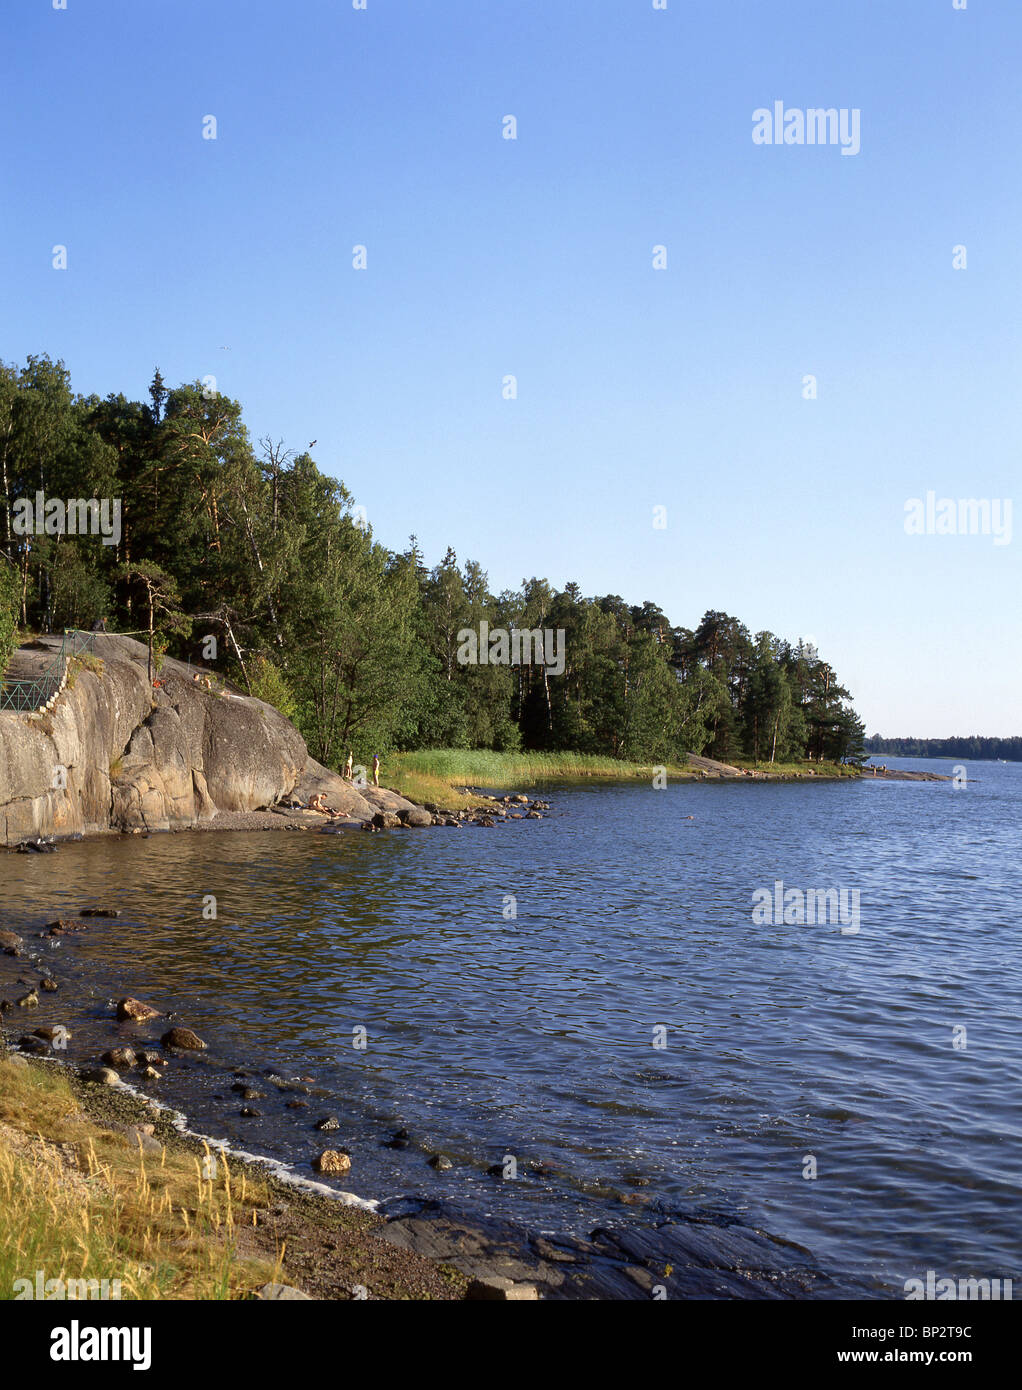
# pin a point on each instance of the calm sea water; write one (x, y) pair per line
(534, 1037)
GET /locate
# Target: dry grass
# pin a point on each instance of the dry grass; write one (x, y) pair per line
(81, 1202)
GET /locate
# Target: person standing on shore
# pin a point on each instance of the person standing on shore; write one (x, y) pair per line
(376, 769)
(348, 766)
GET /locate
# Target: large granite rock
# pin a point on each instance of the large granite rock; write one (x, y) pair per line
(338, 794)
(115, 753)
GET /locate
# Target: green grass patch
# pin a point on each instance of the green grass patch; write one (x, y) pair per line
(441, 774)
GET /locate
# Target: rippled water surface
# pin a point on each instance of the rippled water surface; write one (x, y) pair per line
(534, 1037)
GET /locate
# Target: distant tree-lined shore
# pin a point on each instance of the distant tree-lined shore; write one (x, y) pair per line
(973, 746)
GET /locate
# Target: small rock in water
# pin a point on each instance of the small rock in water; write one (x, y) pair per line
(52, 1032)
(35, 1045)
(29, 1000)
(49, 986)
(250, 1093)
(136, 1010)
(10, 939)
(123, 1058)
(332, 1162)
(400, 1140)
(297, 1105)
(328, 1124)
(151, 1074)
(63, 927)
(440, 1162)
(249, 1112)
(98, 912)
(184, 1039)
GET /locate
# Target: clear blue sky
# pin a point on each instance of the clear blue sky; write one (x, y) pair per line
(680, 388)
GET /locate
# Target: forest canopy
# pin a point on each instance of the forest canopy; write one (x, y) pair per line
(356, 642)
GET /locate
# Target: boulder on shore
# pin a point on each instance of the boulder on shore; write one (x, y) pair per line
(141, 756)
(332, 1162)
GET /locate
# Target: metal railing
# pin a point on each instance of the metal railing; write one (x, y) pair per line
(26, 696)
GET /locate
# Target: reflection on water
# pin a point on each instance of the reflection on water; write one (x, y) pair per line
(534, 1037)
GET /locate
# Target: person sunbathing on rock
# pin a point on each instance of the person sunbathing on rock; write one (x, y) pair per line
(317, 803)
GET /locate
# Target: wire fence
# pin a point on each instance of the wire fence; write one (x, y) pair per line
(25, 696)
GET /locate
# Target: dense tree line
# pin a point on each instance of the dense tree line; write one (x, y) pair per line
(974, 746)
(360, 644)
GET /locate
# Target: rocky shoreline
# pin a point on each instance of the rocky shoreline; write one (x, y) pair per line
(113, 753)
(420, 1249)
(410, 1246)
(182, 758)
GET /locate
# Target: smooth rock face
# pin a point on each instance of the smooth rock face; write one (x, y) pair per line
(338, 794)
(506, 1261)
(138, 758)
